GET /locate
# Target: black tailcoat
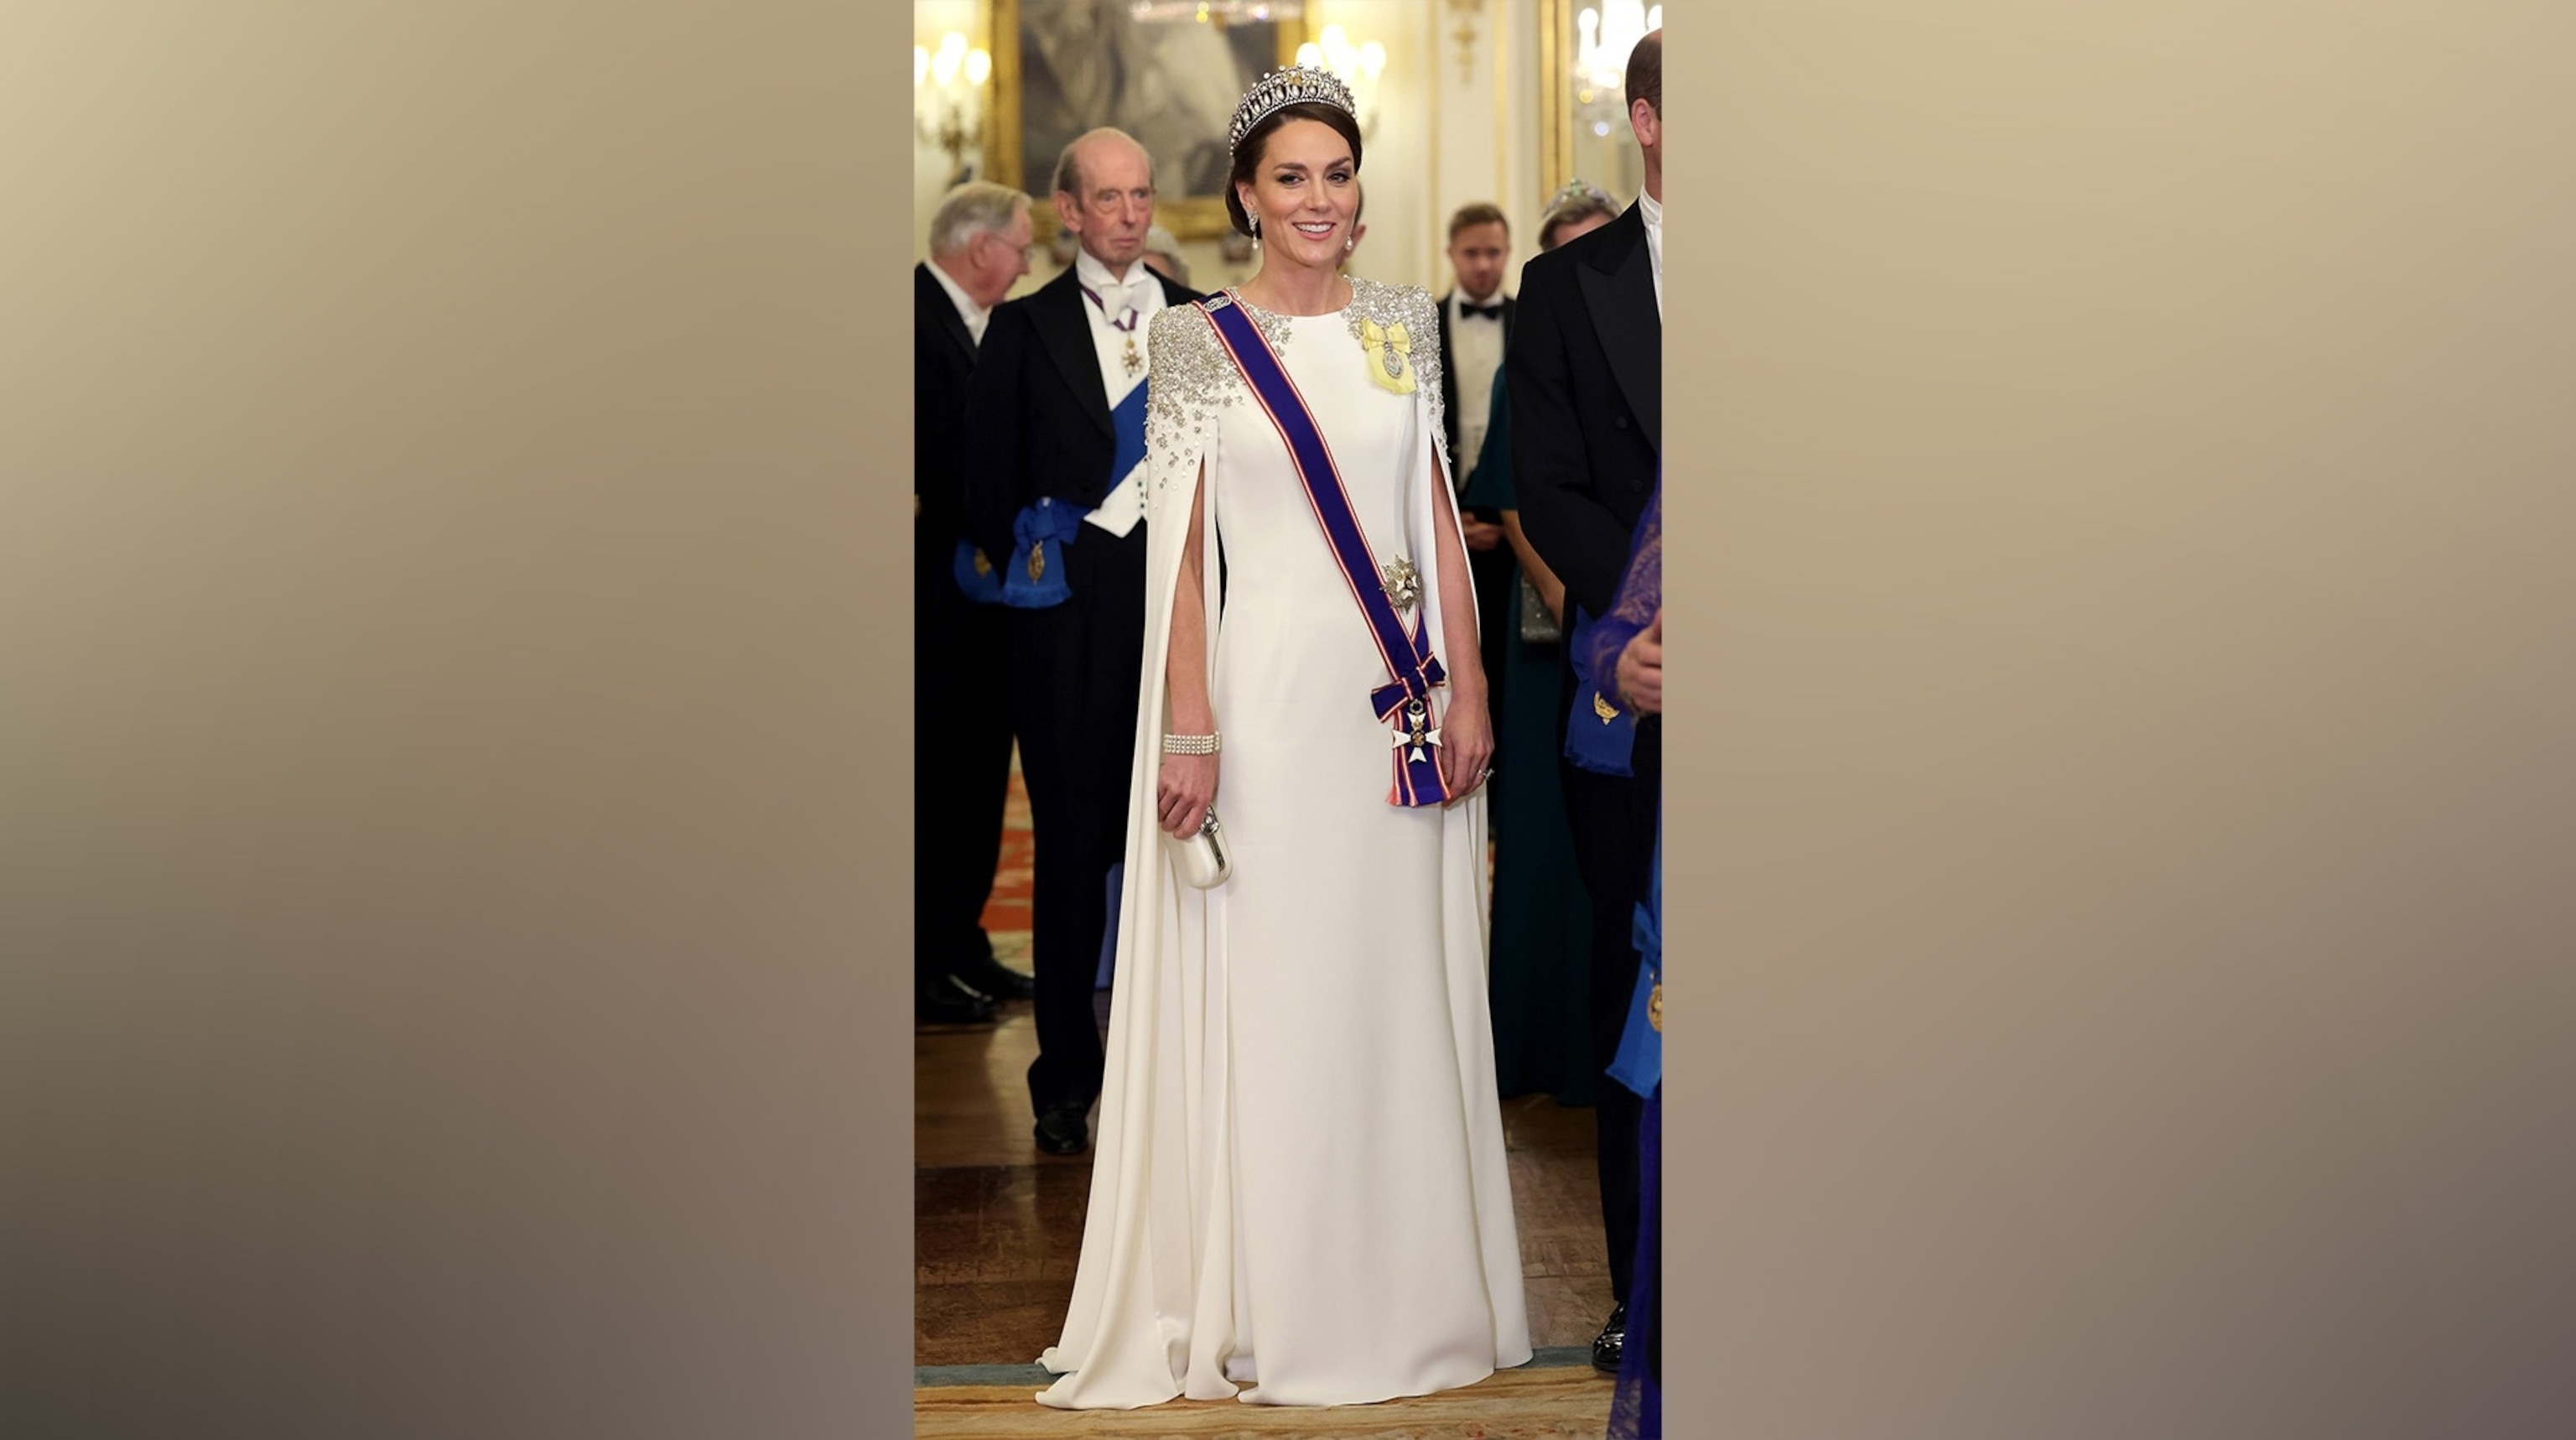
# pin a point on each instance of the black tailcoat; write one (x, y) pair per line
(1038, 424)
(1586, 376)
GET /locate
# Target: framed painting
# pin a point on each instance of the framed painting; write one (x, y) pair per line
(1165, 71)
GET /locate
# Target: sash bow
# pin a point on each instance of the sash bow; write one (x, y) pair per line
(1033, 578)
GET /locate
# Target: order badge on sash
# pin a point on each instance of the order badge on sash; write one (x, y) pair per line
(1033, 578)
(1601, 733)
(976, 575)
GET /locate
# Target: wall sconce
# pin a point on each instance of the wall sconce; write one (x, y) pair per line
(1358, 66)
(1465, 35)
(1603, 39)
(948, 100)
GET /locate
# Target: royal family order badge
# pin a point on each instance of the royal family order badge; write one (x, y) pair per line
(1390, 356)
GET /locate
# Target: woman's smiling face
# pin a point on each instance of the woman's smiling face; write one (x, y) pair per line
(1303, 193)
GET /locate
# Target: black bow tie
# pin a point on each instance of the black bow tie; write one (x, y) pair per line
(1490, 312)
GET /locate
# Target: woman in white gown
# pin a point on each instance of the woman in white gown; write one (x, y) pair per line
(1300, 1184)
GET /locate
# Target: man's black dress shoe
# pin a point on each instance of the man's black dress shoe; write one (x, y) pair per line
(985, 975)
(1065, 1130)
(1607, 1345)
(945, 1002)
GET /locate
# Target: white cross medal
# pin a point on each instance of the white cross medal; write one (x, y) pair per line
(1413, 731)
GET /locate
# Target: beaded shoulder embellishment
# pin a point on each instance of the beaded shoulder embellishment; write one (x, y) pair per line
(1412, 307)
(1192, 379)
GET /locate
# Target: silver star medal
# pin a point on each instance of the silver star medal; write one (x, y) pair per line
(1414, 733)
(1403, 584)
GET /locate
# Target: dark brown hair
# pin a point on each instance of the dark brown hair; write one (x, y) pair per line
(1646, 73)
(1474, 213)
(1581, 207)
(1247, 156)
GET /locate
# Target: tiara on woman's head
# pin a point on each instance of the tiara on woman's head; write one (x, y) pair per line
(1575, 190)
(1295, 85)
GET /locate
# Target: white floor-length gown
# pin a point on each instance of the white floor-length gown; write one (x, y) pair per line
(1299, 1183)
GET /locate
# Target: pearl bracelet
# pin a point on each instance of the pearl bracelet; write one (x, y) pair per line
(1189, 744)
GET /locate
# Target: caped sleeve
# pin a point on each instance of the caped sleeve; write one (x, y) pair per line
(1421, 316)
(1190, 379)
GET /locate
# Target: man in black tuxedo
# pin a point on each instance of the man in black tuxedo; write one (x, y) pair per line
(979, 245)
(1055, 438)
(1475, 330)
(1586, 375)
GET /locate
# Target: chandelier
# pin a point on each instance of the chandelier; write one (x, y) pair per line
(1603, 38)
(1358, 65)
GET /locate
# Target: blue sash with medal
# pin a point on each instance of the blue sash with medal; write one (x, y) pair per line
(1600, 734)
(1404, 702)
(1034, 578)
(1639, 1064)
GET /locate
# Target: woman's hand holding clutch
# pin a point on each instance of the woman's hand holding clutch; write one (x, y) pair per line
(1183, 792)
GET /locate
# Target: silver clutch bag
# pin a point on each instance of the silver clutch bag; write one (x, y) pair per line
(1537, 626)
(1201, 860)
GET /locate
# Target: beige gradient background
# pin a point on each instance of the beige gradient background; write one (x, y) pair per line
(2128, 695)
(452, 890)
(452, 814)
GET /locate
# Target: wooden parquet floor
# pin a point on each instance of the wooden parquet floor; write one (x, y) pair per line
(998, 1224)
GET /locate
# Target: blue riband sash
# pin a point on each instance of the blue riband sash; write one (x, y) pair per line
(1640, 1062)
(1033, 577)
(1405, 701)
(1127, 428)
(1601, 733)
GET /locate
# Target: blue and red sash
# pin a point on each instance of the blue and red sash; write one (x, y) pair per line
(1404, 703)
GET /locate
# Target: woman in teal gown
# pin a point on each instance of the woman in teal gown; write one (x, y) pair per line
(1538, 964)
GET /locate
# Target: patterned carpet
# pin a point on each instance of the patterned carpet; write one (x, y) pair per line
(1007, 912)
(1555, 1397)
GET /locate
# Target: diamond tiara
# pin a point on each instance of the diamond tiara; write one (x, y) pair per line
(1295, 85)
(1577, 190)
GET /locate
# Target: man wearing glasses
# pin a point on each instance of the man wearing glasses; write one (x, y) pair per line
(979, 246)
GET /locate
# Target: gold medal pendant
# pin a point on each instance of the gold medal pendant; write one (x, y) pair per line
(1603, 708)
(1133, 361)
(1655, 1007)
(1037, 560)
(983, 563)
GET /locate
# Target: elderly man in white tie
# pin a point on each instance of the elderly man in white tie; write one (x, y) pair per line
(1055, 450)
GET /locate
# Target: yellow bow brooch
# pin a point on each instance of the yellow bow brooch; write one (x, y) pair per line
(1390, 356)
